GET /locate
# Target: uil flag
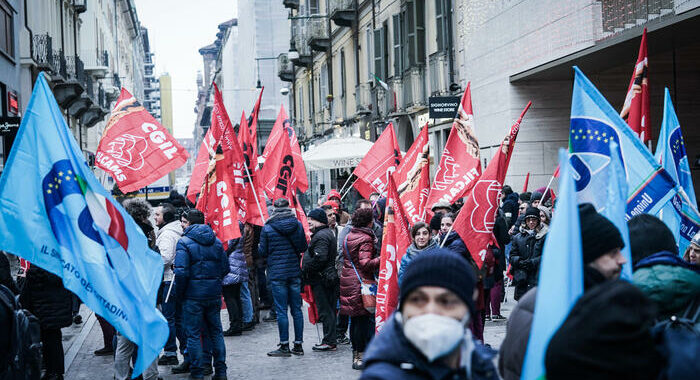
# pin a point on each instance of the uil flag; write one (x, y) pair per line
(635, 110)
(135, 149)
(459, 165)
(55, 214)
(374, 170)
(395, 242)
(681, 213)
(206, 150)
(413, 177)
(218, 200)
(283, 127)
(256, 214)
(253, 123)
(475, 223)
(594, 125)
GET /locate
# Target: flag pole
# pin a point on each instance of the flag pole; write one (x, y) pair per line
(346, 183)
(547, 188)
(170, 289)
(255, 193)
(448, 232)
(348, 190)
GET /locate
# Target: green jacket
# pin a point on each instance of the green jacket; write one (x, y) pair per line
(671, 287)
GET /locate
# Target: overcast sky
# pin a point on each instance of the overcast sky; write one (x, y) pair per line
(176, 31)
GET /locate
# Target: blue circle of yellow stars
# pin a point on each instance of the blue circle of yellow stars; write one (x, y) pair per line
(586, 135)
(59, 182)
(592, 135)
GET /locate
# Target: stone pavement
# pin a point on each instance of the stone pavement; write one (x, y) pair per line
(245, 355)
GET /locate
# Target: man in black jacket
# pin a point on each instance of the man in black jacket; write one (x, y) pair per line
(318, 269)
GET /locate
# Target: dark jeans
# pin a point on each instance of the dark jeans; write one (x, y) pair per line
(107, 332)
(52, 351)
(325, 305)
(168, 310)
(195, 314)
(495, 296)
(180, 328)
(361, 331)
(287, 293)
(232, 296)
(263, 292)
(75, 304)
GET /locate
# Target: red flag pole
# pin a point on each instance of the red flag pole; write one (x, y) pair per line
(255, 193)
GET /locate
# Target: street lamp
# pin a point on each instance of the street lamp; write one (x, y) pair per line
(257, 61)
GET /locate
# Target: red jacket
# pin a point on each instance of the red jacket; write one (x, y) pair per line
(360, 248)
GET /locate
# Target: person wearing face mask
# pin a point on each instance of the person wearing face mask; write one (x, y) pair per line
(428, 337)
(422, 243)
(526, 252)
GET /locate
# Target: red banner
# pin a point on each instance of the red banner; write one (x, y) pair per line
(376, 167)
(527, 181)
(257, 214)
(253, 123)
(217, 201)
(206, 150)
(135, 149)
(475, 222)
(283, 127)
(413, 178)
(635, 110)
(459, 165)
(395, 242)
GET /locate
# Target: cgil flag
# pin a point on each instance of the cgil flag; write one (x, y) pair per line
(475, 223)
(253, 124)
(201, 164)
(560, 277)
(681, 213)
(55, 214)
(381, 160)
(255, 199)
(283, 127)
(135, 149)
(635, 110)
(594, 125)
(413, 178)
(459, 165)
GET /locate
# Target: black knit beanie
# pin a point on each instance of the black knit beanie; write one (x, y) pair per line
(532, 212)
(442, 268)
(319, 215)
(598, 234)
(436, 221)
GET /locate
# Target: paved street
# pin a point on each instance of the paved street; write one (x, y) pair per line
(245, 355)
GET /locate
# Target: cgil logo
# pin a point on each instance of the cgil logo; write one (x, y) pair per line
(285, 174)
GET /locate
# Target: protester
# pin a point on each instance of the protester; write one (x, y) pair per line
(526, 252)
(6, 275)
(428, 338)
(673, 284)
(377, 227)
(374, 196)
(524, 197)
(545, 215)
(509, 205)
(602, 244)
(200, 267)
(441, 207)
(332, 221)
(422, 243)
(449, 238)
(334, 196)
(281, 241)
(319, 271)
(515, 228)
(361, 263)
(494, 291)
(169, 232)
(231, 285)
(435, 222)
(692, 253)
(535, 199)
(514, 346)
(252, 300)
(45, 297)
(457, 205)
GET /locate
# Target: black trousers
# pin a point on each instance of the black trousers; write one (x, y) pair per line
(52, 351)
(232, 297)
(361, 331)
(325, 305)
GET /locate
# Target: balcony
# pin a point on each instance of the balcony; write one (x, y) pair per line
(291, 4)
(318, 34)
(42, 53)
(342, 12)
(300, 37)
(413, 91)
(439, 73)
(96, 63)
(363, 99)
(69, 79)
(285, 68)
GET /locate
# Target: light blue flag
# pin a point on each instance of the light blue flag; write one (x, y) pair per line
(615, 205)
(594, 125)
(561, 273)
(55, 214)
(681, 213)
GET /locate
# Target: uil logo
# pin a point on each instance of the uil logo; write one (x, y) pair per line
(128, 150)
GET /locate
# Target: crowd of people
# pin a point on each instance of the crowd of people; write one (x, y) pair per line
(617, 329)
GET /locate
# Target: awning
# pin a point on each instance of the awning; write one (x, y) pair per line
(336, 153)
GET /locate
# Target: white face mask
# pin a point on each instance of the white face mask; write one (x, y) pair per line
(435, 335)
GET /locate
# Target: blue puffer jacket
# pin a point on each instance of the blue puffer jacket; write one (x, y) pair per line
(200, 264)
(411, 254)
(391, 356)
(238, 269)
(282, 241)
(455, 244)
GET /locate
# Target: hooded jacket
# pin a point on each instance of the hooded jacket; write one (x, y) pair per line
(525, 255)
(44, 296)
(166, 240)
(455, 244)
(200, 264)
(360, 255)
(391, 356)
(510, 205)
(411, 254)
(282, 241)
(238, 270)
(320, 257)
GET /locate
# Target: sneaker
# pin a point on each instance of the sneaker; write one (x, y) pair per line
(248, 326)
(498, 317)
(208, 370)
(270, 318)
(357, 363)
(105, 351)
(324, 347)
(282, 351)
(77, 319)
(344, 340)
(219, 377)
(184, 367)
(231, 332)
(298, 350)
(488, 318)
(168, 360)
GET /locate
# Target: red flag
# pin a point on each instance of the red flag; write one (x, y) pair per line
(206, 150)
(556, 172)
(527, 180)
(413, 178)
(283, 126)
(256, 213)
(253, 122)
(635, 110)
(135, 149)
(395, 242)
(217, 201)
(475, 223)
(459, 164)
(374, 170)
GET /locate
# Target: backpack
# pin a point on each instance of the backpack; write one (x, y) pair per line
(678, 341)
(24, 359)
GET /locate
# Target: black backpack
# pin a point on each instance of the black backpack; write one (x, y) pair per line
(24, 358)
(678, 341)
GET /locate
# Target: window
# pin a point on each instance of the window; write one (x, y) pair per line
(342, 73)
(398, 55)
(301, 105)
(323, 84)
(7, 33)
(409, 36)
(379, 54)
(311, 100)
(369, 52)
(312, 6)
(443, 29)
